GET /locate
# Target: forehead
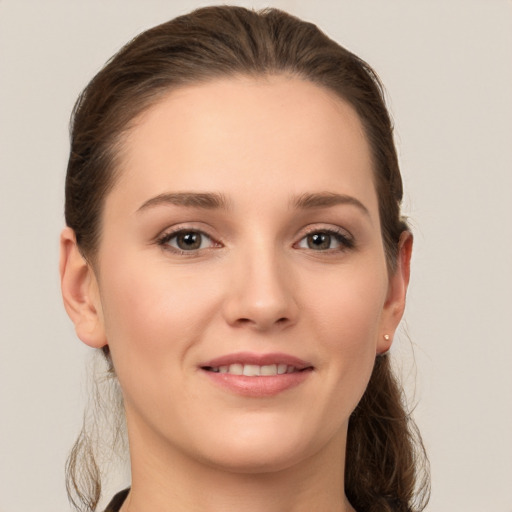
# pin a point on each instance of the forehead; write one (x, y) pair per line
(258, 134)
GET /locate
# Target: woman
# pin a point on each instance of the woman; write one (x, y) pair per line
(234, 246)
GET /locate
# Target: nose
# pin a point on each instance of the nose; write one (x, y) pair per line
(261, 292)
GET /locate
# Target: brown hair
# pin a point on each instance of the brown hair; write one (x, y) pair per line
(385, 463)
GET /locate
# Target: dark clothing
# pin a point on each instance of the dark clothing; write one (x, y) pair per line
(117, 501)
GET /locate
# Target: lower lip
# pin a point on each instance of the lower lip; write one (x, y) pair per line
(257, 387)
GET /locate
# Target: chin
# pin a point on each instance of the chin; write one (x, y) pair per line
(245, 461)
(261, 450)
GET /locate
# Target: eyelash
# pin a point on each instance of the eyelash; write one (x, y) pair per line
(345, 241)
(164, 240)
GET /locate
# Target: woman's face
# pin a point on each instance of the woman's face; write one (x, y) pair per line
(243, 236)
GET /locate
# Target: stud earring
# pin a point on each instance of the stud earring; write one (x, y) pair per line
(387, 337)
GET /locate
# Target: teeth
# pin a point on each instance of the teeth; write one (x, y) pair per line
(270, 369)
(281, 368)
(251, 370)
(254, 370)
(236, 369)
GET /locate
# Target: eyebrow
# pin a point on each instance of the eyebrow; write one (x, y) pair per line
(206, 200)
(326, 200)
(213, 201)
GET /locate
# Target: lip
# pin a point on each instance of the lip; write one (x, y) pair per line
(258, 359)
(261, 386)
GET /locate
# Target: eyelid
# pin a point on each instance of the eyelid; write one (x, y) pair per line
(168, 234)
(344, 237)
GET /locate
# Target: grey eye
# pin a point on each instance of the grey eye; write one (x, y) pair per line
(321, 241)
(189, 241)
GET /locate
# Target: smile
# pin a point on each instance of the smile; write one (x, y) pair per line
(257, 375)
(254, 370)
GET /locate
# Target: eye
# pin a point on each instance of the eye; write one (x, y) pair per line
(186, 240)
(325, 240)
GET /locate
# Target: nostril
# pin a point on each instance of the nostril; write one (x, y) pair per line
(246, 321)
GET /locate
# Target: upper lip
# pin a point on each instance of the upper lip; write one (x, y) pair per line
(256, 359)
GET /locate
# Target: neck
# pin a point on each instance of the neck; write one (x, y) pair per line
(170, 481)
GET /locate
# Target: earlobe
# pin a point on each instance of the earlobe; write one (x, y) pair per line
(397, 291)
(80, 292)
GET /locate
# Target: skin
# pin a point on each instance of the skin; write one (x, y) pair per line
(256, 285)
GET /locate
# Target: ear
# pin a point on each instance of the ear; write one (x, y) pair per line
(80, 292)
(395, 301)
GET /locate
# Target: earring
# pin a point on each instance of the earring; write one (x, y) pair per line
(387, 338)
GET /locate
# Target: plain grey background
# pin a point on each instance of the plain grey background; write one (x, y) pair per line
(447, 67)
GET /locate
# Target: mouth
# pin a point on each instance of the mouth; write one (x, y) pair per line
(254, 370)
(257, 375)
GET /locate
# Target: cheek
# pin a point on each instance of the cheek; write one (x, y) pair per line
(152, 313)
(154, 318)
(348, 322)
(351, 305)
